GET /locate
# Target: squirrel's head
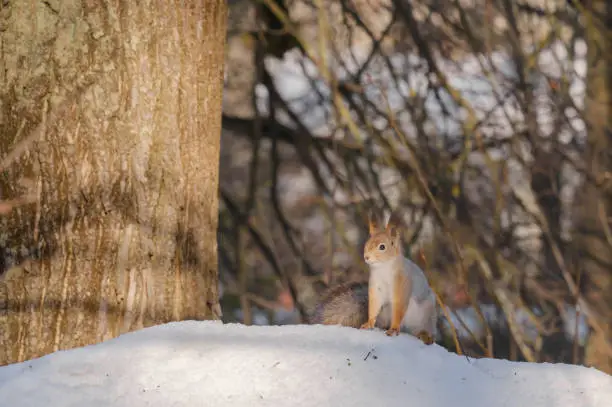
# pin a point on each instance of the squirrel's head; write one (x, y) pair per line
(384, 243)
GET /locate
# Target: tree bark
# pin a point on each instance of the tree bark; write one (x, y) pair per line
(594, 202)
(110, 118)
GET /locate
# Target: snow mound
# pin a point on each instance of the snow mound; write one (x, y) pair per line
(211, 364)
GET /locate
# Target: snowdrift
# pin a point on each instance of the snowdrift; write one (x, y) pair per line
(211, 364)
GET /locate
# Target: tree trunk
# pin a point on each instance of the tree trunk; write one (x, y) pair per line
(110, 118)
(594, 202)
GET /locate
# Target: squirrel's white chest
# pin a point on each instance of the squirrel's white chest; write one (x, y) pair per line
(382, 279)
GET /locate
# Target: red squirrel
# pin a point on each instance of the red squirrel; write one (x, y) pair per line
(396, 298)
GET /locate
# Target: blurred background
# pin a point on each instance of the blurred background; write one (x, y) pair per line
(485, 123)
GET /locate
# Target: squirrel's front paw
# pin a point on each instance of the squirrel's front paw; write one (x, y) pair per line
(367, 325)
(392, 332)
(425, 337)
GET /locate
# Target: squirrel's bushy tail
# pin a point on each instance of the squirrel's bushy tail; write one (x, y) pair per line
(346, 305)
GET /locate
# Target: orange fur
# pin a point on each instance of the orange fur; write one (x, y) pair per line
(374, 223)
(425, 337)
(373, 309)
(399, 304)
(393, 225)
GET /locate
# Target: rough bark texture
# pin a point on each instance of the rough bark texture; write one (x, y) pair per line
(594, 205)
(119, 106)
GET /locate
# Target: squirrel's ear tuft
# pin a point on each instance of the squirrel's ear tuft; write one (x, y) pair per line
(374, 222)
(394, 223)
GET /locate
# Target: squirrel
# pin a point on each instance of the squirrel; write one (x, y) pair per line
(397, 296)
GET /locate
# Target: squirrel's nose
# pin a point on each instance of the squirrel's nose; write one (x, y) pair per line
(367, 257)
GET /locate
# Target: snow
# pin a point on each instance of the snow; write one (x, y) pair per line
(207, 363)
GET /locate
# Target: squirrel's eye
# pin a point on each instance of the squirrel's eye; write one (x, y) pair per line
(381, 247)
